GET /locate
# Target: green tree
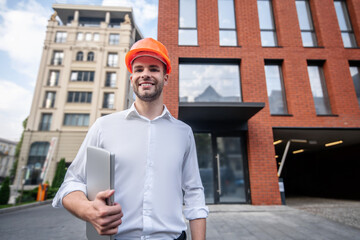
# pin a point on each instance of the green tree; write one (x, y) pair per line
(17, 153)
(59, 174)
(5, 191)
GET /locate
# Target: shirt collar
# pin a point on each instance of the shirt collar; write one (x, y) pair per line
(133, 113)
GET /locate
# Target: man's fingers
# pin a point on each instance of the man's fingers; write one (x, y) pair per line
(105, 194)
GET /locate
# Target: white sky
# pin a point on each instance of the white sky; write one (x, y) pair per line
(22, 33)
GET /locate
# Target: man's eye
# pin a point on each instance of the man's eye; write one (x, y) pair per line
(138, 70)
(154, 70)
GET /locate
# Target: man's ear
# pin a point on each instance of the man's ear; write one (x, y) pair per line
(131, 83)
(166, 77)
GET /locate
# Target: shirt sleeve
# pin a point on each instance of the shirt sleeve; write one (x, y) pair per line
(194, 198)
(75, 178)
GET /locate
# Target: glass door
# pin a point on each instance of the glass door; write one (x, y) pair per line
(223, 167)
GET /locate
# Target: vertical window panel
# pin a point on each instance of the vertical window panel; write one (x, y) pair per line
(319, 90)
(346, 29)
(227, 31)
(275, 89)
(187, 23)
(53, 78)
(355, 74)
(306, 23)
(267, 24)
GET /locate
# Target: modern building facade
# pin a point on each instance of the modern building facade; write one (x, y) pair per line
(271, 89)
(7, 157)
(81, 77)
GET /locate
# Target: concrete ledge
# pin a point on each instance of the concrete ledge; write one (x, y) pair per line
(25, 206)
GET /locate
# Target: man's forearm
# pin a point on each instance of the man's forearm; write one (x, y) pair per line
(77, 203)
(198, 229)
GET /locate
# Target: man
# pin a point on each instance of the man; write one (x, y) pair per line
(155, 161)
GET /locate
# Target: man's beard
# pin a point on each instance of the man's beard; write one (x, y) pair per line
(152, 96)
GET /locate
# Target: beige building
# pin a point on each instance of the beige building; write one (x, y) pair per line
(82, 76)
(7, 157)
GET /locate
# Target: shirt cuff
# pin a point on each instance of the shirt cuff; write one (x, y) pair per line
(196, 212)
(65, 190)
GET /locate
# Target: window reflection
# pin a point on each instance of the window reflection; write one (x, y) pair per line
(187, 22)
(209, 82)
(227, 34)
(355, 74)
(267, 24)
(275, 91)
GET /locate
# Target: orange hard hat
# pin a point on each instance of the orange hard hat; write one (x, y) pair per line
(148, 47)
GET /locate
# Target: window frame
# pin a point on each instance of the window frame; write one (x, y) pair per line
(188, 28)
(279, 63)
(268, 29)
(228, 29)
(320, 65)
(57, 58)
(45, 125)
(311, 21)
(60, 37)
(106, 103)
(82, 118)
(57, 77)
(111, 62)
(350, 29)
(71, 97)
(112, 40)
(49, 99)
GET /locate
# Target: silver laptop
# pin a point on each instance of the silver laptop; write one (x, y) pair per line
(100, 167)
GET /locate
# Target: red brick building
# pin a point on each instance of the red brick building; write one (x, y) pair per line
(266, 84)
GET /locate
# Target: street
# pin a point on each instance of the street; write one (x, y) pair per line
(225, 222)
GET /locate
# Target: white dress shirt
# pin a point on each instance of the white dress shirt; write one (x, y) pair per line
(155, 161)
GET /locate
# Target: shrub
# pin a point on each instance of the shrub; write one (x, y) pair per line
(59, 174)
(5, 191)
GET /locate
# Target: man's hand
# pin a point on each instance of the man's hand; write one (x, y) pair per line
(104, 218)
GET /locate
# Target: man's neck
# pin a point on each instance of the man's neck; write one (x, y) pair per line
(150, 110)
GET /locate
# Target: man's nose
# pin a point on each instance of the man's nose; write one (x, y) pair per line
(145, 73)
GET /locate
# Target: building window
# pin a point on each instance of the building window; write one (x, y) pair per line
(227, 26)
(45, 122)
(90, 56)
(110, 79)
(37, 156)
(187, 22)
(347, 32)
(355, 74)
(96, 37)
(114, 39)
(60, 37)
(79, 97)
(112, 60)
(209, 82)
(82, 76)
(318, 89)
(53, 78)
(109, 100)
(267, 23)
(49, 100)
(57, 58)
(76, 119)
(275, 88)
(306, 23)
(88, 36)
(79, 56)
(79, 36)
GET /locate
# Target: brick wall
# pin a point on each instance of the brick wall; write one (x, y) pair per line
(262, 165)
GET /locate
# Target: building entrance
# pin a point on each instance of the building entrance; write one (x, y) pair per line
(223, 167)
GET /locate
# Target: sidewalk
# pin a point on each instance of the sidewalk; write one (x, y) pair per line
(229, 222)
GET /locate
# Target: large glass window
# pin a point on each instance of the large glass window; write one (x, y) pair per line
(347, 32)
(49, 100)
(187, 22)
(108, 100)
(53, 78)
(206, 82)
(79, 36)
(110, 79)
(60, 37)
(45, 122)
(112, 60)
(227, 31)
(75, 119)
(57, 58)
(318, 89)
(267, 24)
(37, 156)
(82, 76)
(355, 74)
(79, 97)
(275, 88)
(114, 39)
(306, 23)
